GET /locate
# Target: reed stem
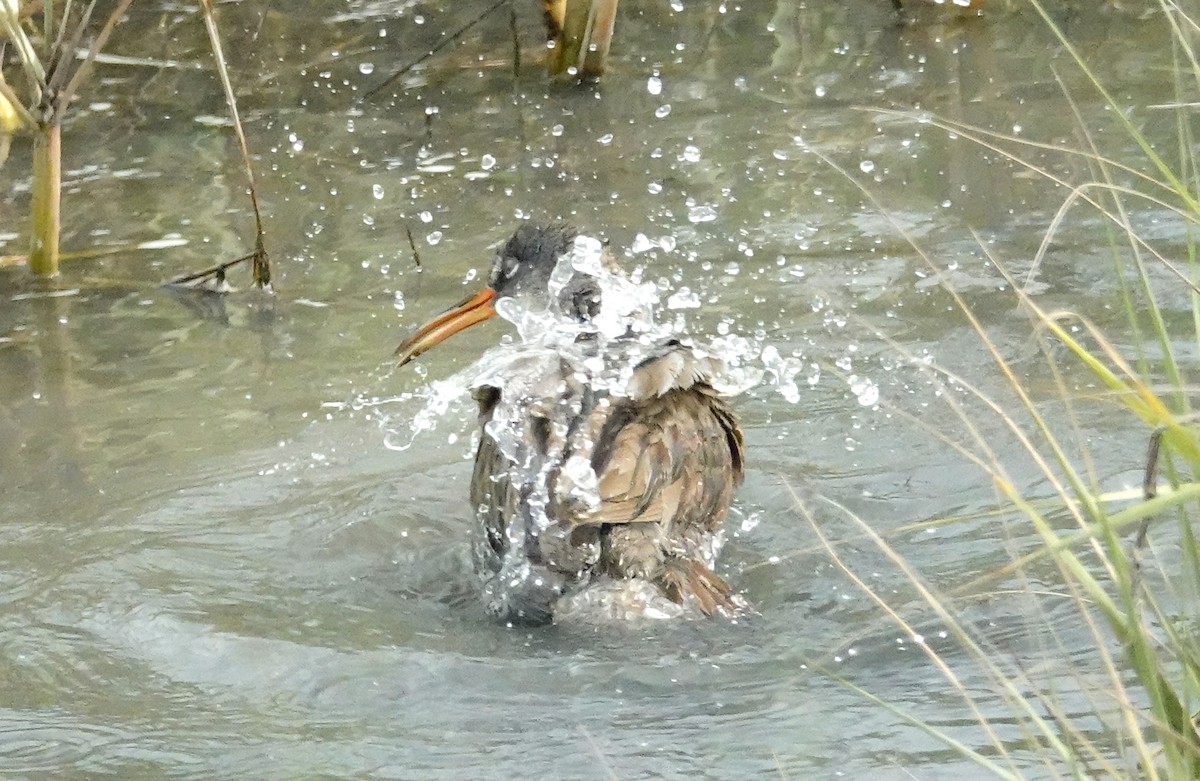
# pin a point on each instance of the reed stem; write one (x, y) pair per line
(47, 194)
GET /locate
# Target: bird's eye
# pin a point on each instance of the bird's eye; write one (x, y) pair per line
(504, 270)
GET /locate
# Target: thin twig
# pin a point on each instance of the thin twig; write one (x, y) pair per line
(1149, 491)
(516, 40)
(441, 45)
(61, 95)
(262, 19)
(211, 271)
(413, 245)
(63, 26)
(261, 272)
(1150, 479)
(31, 65)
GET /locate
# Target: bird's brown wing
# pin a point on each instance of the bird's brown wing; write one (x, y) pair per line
(673, 459)
(667, 457)
(670, 452)
(667, 469)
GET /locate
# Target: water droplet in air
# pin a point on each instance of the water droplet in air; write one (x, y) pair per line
(865, 390)
(683, 298)
(641, 243)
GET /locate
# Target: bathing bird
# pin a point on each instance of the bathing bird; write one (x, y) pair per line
(605, 453)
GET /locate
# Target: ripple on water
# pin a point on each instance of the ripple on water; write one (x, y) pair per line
(47, 742)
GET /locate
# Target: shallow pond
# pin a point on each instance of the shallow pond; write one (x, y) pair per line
(212, 564)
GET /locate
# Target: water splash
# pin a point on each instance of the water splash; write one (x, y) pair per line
(547, 384)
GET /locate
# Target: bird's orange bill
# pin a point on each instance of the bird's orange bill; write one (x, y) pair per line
(471, 310)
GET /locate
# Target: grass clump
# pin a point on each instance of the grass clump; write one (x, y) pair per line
(1128, 566)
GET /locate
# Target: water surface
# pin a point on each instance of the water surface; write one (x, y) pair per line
(211, 566)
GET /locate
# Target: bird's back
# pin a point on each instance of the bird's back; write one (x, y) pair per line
(583, 482)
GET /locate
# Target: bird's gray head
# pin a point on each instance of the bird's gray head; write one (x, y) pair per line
(529, 269)
(525, 266)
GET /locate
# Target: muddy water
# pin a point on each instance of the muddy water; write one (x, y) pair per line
(211, 566)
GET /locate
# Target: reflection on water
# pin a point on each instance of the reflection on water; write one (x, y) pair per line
(210, 564)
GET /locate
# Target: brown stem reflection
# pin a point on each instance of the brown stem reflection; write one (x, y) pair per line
(41, 441)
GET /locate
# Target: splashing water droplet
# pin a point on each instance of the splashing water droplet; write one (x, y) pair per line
(866, 391)
(683, 298)
(642, 243)
(783, 373)
(560, 367)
